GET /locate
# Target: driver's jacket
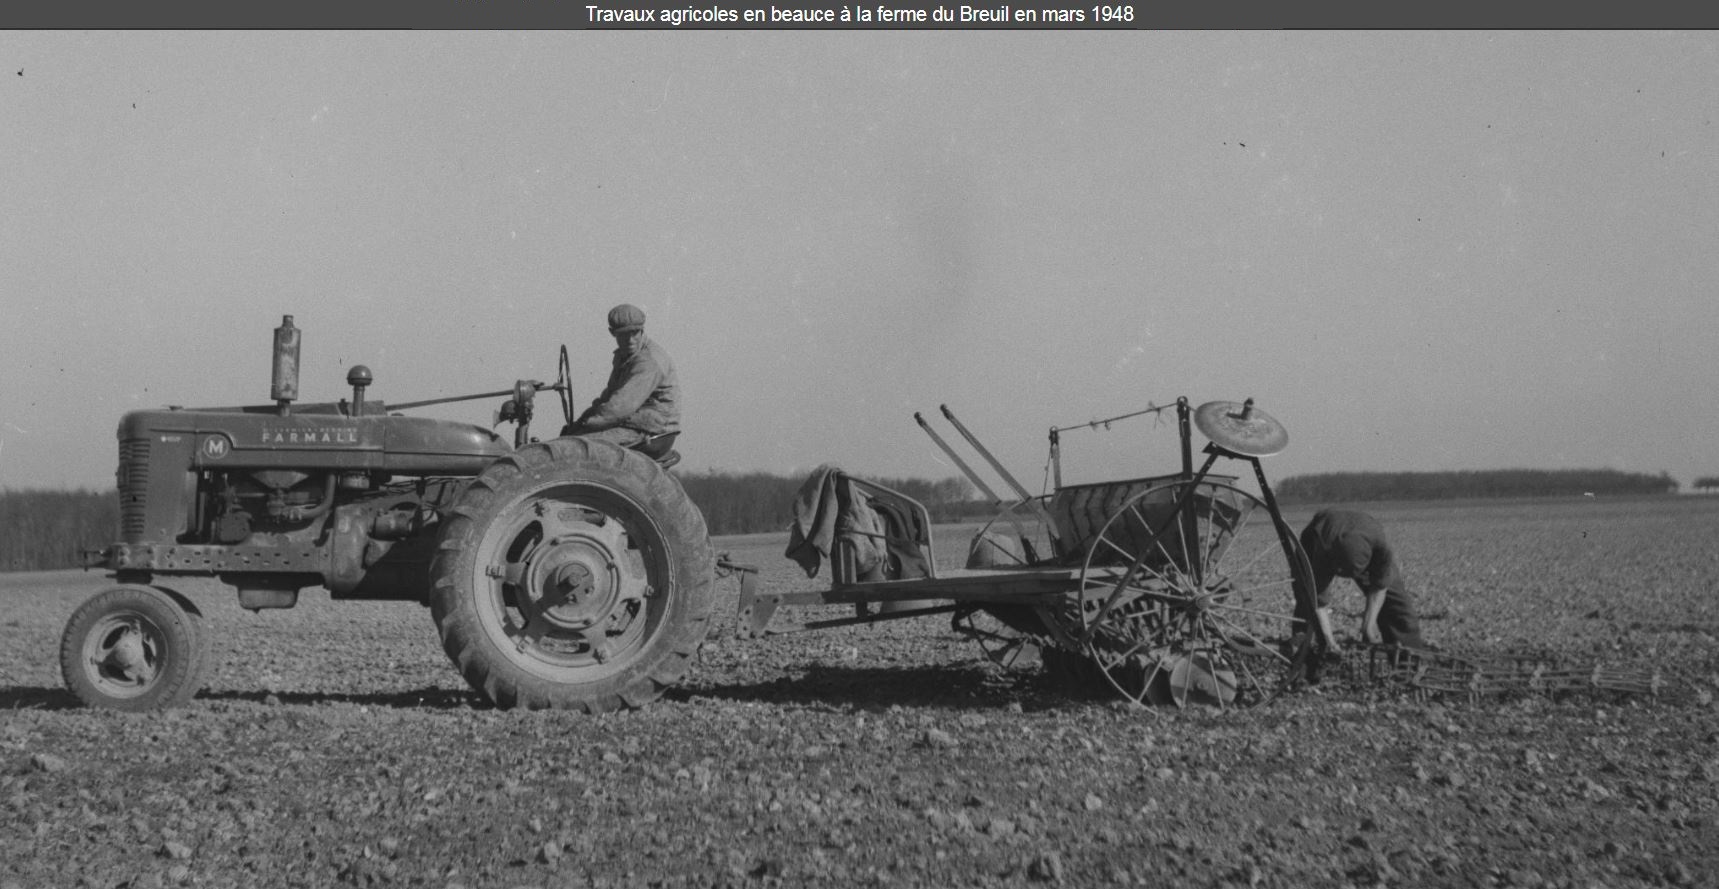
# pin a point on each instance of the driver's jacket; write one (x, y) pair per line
(642, 393)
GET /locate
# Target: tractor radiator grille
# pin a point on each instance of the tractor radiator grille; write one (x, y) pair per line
(133, 488)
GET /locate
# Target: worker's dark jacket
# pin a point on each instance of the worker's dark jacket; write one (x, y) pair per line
(1346, 543)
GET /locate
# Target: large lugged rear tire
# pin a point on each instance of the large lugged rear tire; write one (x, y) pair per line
(573, 574)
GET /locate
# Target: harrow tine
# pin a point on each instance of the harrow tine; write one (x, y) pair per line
(1440, 673)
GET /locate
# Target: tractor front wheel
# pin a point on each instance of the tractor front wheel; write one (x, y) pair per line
(133, 648)
(573, 574)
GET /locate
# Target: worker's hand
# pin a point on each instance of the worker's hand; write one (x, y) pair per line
(569, 429)
(1370, 618)
(1323, 613)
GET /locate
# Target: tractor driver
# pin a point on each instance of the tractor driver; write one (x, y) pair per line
(641, 398)
(1346, 543)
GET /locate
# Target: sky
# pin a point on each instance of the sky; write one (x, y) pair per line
(1416, 250)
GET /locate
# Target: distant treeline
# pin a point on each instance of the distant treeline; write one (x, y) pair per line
(1341, 486)
(754, 502)
(44, 530)
(49, 530)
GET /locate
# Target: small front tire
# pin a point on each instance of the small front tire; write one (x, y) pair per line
(133, 648)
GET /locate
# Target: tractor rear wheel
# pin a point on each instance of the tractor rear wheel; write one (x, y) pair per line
(572, 574)
(133, 648)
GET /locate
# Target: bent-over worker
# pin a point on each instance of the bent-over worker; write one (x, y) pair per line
(641, 399)
(1347, 543)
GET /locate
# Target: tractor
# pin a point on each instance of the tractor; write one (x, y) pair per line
(560, 573)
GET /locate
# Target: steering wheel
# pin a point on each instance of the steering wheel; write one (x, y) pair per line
(564, 385)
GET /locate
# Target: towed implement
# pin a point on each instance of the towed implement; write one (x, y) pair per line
(1172, 589)
(561, 573)
(1175, 589)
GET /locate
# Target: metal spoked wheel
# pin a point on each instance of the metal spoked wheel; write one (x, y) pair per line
(1190, 594)
(1005, 633)
(1010, 635)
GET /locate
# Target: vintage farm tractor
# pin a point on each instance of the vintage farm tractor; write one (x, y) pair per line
(562, 573)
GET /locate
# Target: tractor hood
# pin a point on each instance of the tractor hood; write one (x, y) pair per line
(318, 437)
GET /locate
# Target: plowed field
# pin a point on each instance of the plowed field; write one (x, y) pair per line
(334, 745)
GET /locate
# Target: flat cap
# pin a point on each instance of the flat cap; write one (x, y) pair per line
(626, 317)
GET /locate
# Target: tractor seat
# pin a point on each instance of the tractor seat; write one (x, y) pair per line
(660, 448)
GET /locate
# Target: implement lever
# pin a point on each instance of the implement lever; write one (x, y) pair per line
(960, 463)
(971, 476)
(1020, 491)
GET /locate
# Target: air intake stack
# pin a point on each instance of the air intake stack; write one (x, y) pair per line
(284, 389)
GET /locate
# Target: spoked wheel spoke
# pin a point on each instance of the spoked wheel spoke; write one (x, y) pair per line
(1006, 643)
(1189, 595)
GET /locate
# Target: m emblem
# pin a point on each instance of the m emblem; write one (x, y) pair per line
(216, 447)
